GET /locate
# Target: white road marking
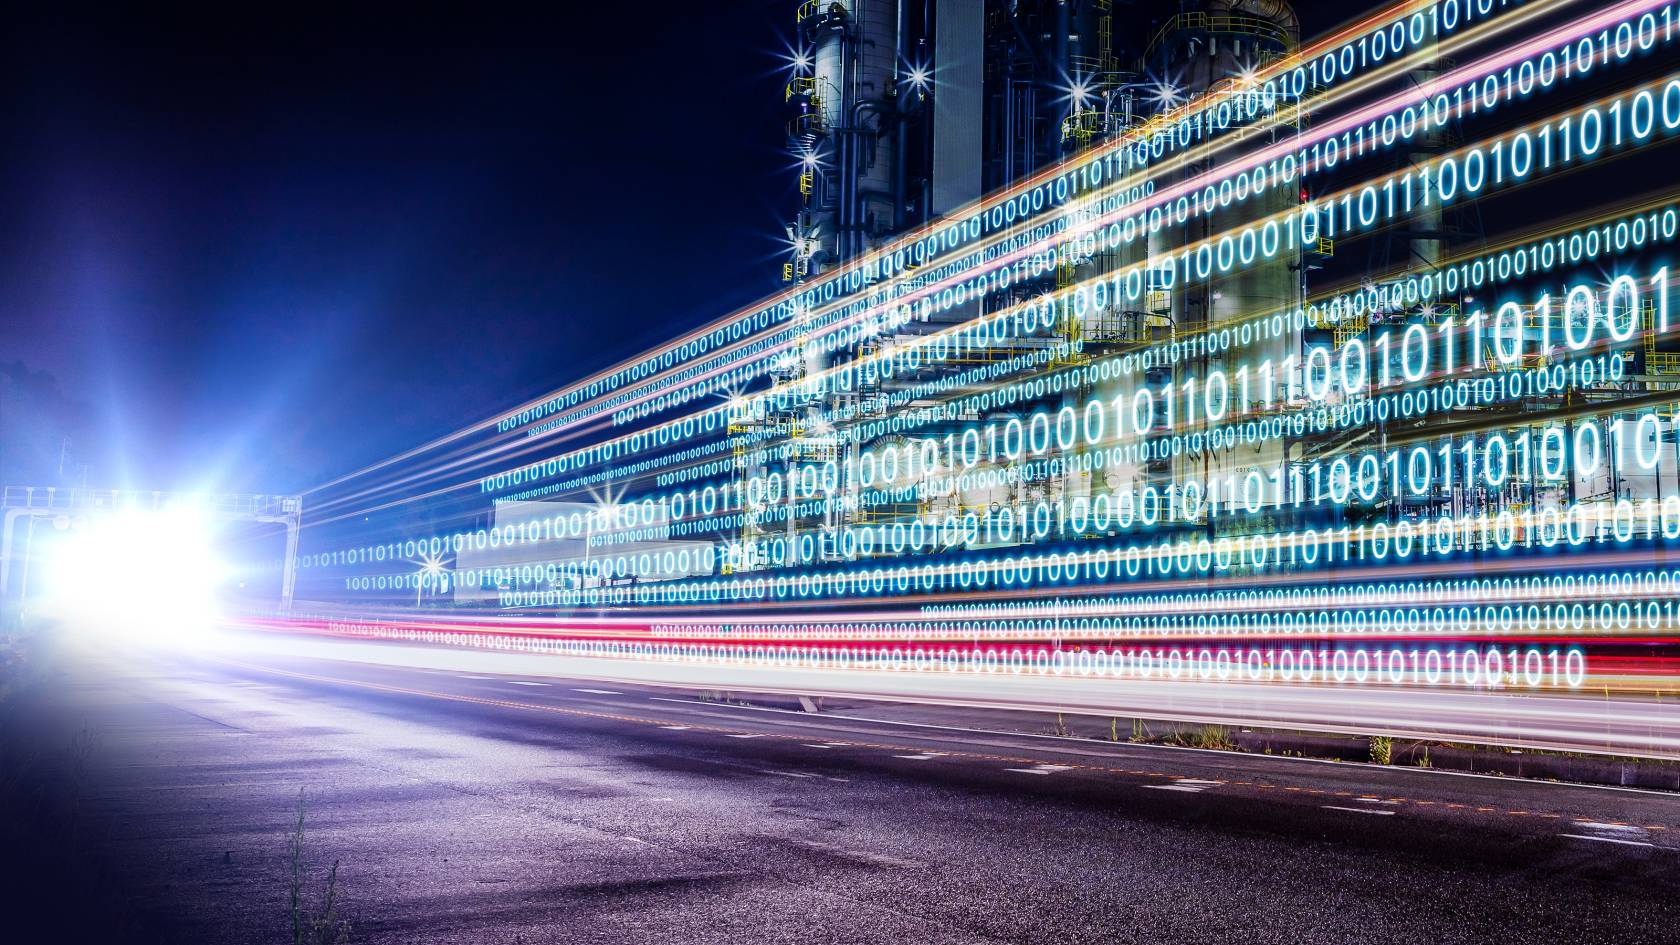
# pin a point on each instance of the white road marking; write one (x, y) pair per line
(930, 755)
(788, 774)
(475, 677)
(827, 746)
(1625, 843)
(1039, 769)
(601, 692)
(1595, 825)
(741, 735)
(1186, 785)
(1281, 759)
(674, 728)
(875, 859)
(1374, 800)
(1359, 810)
(521, 682)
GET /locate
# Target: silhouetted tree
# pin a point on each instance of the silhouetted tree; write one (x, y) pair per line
(44, 433)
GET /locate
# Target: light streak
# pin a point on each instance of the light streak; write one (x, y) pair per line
(1402, 12)
(1379, 507)
(1448, 81)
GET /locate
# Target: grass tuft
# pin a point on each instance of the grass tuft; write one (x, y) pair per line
(1215, 737)
(317, 924)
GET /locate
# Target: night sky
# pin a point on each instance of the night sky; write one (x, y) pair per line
(255, 254)
(265, 252)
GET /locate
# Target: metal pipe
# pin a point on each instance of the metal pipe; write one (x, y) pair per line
(898, 42)
(901, 129)
(842, 199)
(6, 545)
(881, 110)
(29, 552)
(1061, 80)
(1032, 49)
(901, 151)
(288, 575)
(843, 144)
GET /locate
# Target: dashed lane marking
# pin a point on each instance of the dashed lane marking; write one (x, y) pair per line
(521, 682)
(1038, 767)
(1359, 810)
(1616, 840)
(600, 692)
(858, 856)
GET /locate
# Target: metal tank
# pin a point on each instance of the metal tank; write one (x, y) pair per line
(1198, 51)
(853, 56)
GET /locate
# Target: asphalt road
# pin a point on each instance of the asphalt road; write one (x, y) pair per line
(465, 807)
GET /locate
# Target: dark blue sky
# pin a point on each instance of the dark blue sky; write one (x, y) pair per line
(264, 250)
(267, 251)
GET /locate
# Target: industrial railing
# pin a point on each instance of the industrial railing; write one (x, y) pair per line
(1656, 362)
(1349, 329)
(800, 85)
(1083, 126)
(812, 9)
(1226, 24)
(807, 126)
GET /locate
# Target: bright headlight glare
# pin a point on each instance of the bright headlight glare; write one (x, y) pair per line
(148, 574)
